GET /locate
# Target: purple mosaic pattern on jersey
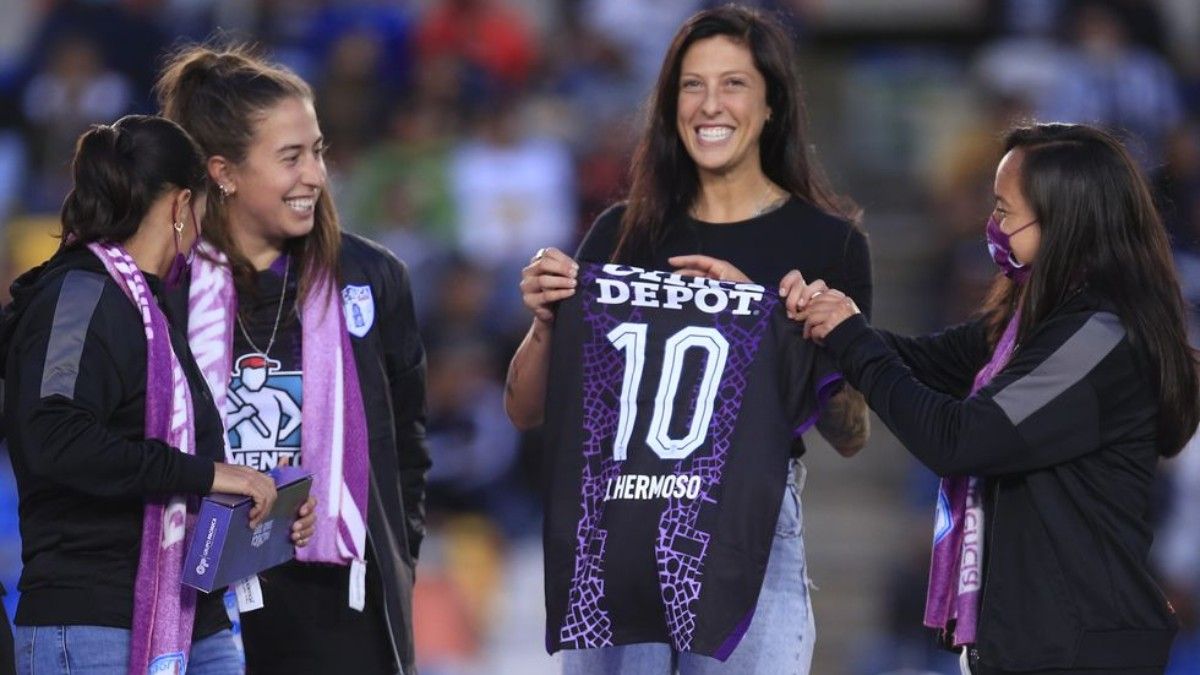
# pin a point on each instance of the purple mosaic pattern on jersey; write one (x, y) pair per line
(586, 623)
(681, 548)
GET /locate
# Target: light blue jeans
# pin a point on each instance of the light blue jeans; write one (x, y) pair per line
(781, 635)
(102, 650)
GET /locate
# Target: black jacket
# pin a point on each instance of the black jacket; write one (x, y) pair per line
(1065, 437)
(7, 655)
(391, 373)
(73, 352)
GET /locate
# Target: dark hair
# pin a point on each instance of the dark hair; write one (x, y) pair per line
(663, 178)
(1100, 229)
(219, 95)
(120, 170)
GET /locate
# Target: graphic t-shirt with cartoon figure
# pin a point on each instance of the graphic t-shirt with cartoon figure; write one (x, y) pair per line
(265, 394)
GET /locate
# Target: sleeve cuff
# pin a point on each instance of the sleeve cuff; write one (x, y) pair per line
(840, 339)
(195, 473)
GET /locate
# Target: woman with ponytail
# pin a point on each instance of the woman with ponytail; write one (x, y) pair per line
(112, 433)
(1045, 417)
(308, 340)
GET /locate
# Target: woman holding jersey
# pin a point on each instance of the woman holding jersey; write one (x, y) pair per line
(723, 186)
(1046, 417)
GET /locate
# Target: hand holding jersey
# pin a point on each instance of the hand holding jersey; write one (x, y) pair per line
(708, 267)
(820, 308)
(549, 277)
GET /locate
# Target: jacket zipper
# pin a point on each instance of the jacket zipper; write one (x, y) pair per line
(387, 619)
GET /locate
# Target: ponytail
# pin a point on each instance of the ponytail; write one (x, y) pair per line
(103, 198)
(119, 170)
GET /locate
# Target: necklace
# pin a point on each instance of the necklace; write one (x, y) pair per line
(765, 203)
(278, 314)
(769, 204)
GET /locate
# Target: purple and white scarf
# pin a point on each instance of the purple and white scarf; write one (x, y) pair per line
(956, 568)
(333, 442)
(163, 608)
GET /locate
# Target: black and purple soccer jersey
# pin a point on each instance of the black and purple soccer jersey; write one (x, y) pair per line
(671, 407)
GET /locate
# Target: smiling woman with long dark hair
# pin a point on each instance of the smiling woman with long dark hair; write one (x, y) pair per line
(682, 160)
(1046, 416)
(724, 185)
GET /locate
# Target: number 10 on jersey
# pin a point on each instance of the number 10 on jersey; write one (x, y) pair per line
(631, 339)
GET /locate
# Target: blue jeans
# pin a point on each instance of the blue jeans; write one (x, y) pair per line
(101, 650)
(781, 635)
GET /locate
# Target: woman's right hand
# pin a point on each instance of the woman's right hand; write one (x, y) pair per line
(242, 480)
(820, 307)
(549, 277)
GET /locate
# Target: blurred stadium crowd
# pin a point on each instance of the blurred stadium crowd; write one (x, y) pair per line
(465, 134)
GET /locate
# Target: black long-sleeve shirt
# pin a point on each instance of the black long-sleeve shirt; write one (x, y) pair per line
(74, 355)
(1066, 438)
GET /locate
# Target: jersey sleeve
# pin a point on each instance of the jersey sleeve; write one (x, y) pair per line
(810, 375)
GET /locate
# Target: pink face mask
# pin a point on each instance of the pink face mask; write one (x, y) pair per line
(1001, 250)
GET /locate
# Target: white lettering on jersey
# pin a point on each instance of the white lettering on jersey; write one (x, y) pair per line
(642, 487)
(672, 291)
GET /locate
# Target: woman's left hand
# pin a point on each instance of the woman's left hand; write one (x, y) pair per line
(707, 267)
(306, 519)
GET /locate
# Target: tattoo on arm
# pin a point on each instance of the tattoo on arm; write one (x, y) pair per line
(510, 387)
(844, 421)
(514, 370)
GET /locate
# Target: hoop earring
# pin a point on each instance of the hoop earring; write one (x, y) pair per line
(178, 225)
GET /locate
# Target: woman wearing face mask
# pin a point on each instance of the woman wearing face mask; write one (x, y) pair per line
(1046, 416)
(111, 430)
(307, 336)
(723, 186)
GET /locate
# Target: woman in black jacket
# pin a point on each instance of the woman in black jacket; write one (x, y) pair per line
(1046, 417)
(308, 338)
(111, 432)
